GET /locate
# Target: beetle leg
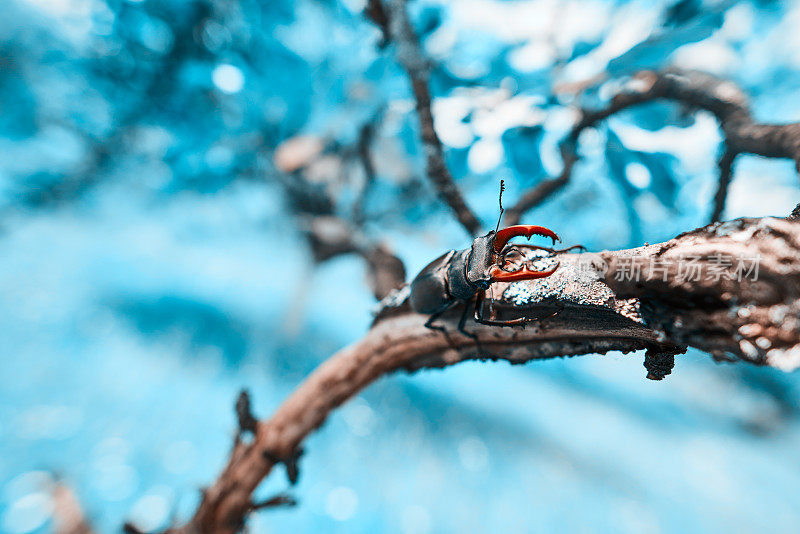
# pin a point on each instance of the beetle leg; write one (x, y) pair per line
(463, 321)
(521, 321)
(490, 322)
(435, 315)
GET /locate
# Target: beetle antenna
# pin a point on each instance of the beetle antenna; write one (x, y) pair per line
(500, 201)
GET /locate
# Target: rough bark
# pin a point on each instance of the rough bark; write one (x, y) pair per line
(755, 319)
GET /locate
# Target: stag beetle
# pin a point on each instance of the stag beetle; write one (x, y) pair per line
(462, 275)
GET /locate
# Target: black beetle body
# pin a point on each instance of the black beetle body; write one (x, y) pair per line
(462, 275)
(453, 276)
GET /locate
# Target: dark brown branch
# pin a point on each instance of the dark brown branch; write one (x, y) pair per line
(417, 66)
(753, 318)
(586, 307)
(278, 500)
(376, 12)
(725, 171)
(365, 136)
(697, 90)
(244, 414)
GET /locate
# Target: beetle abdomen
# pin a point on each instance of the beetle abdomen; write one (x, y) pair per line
(429, 292)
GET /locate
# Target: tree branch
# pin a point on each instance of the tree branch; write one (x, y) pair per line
(332, 236)
(329, 234)
(686, 294)
(725, 165)
(698, 90)
(68, 516)
(588, 306)
(365, 135)
(417, 66)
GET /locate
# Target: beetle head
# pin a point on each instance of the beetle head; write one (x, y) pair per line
(492, 259)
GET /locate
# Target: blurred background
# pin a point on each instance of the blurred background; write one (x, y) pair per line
(160, 159)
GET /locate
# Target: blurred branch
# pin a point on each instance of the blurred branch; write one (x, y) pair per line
(68, 517)
(699, 91)
(588, 306)
(375, 11)
(364, 149)
(329, 234)
(725, 164)
(157, 93)
(417, 66)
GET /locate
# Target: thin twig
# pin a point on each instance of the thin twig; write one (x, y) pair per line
(725, 165)
(244, 414)
(698, 90)
(365, 136)
(329, 234)
(417, 66)
(376, 12)
(281, 499)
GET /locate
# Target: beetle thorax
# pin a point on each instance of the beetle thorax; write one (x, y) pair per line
(480, 260)
(458, 286)
(469, 270)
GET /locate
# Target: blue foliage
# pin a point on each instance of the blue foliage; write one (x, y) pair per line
(521, 146)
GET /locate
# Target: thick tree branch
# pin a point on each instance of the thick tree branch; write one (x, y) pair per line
(417, 66)
(697, 90)
(590, 305)
(686, 290)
